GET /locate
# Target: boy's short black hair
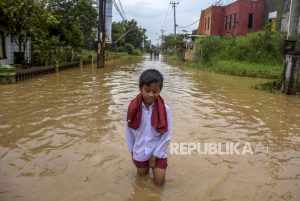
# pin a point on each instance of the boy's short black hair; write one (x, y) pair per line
(151, 76)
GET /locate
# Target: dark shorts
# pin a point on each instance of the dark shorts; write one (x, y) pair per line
(161, 163)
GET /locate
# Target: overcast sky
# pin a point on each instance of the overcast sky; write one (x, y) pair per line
(152, 15)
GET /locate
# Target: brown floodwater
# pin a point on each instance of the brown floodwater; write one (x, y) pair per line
(62, 137)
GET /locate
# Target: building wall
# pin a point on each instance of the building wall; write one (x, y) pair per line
(200, 29)
(217, 20)
(246, 7)
(229, 26)
(205, 22)
(239, 12)
(9, 56)
(11, 47)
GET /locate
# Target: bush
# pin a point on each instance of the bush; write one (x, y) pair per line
(137, 52)
(127, 47)
(207, 48)
(259, 47)
(262, 47)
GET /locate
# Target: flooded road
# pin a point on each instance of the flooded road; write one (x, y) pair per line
(62, 137)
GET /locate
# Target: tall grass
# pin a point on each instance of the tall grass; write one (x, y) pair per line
(256, 54)
(262, 47)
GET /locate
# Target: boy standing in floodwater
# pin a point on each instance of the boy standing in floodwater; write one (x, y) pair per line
(149, 127)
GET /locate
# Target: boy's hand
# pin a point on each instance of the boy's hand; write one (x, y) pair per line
(152, 161)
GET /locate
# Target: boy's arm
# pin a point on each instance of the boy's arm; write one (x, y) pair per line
(129, 138)
(161, 150)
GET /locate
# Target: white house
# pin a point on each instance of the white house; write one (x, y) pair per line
(9, 49)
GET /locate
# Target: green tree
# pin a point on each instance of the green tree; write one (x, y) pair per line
(128, 32)
(118, 30)
(170, 42)
(136, 35)
(45, 49)
(77, 18)
(25, 20)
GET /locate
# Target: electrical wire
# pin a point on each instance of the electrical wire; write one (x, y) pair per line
(218, 3)
(189, 25)
(164, 22)
(228, 2)
(123, 35)
(169, 20)
(119, 11)
(122, 9)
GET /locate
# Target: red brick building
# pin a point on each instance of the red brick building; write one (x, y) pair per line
(210, 21)
(238, 18)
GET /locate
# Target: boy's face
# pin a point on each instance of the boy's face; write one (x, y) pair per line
(150, 92)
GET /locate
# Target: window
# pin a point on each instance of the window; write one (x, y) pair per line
(208, 21)
(230, 19)
(205, 24)
(226, 19)
(234, 20)
(2, 46)
(250, 20)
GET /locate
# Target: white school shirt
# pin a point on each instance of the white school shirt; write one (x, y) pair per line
(146, 141)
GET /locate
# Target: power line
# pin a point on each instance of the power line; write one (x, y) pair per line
(130, 29)
(218, 3)
(228, 2)
(189, 25)
(164, 22)
(169, 20)
(223, 3)
(119, 11)
(122, 9)
(124, 35)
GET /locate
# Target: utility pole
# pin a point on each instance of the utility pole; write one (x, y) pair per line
(174, 7)
(293, 22)
(292, 58)
(143, 43)
(162, 36)
(101, 34)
